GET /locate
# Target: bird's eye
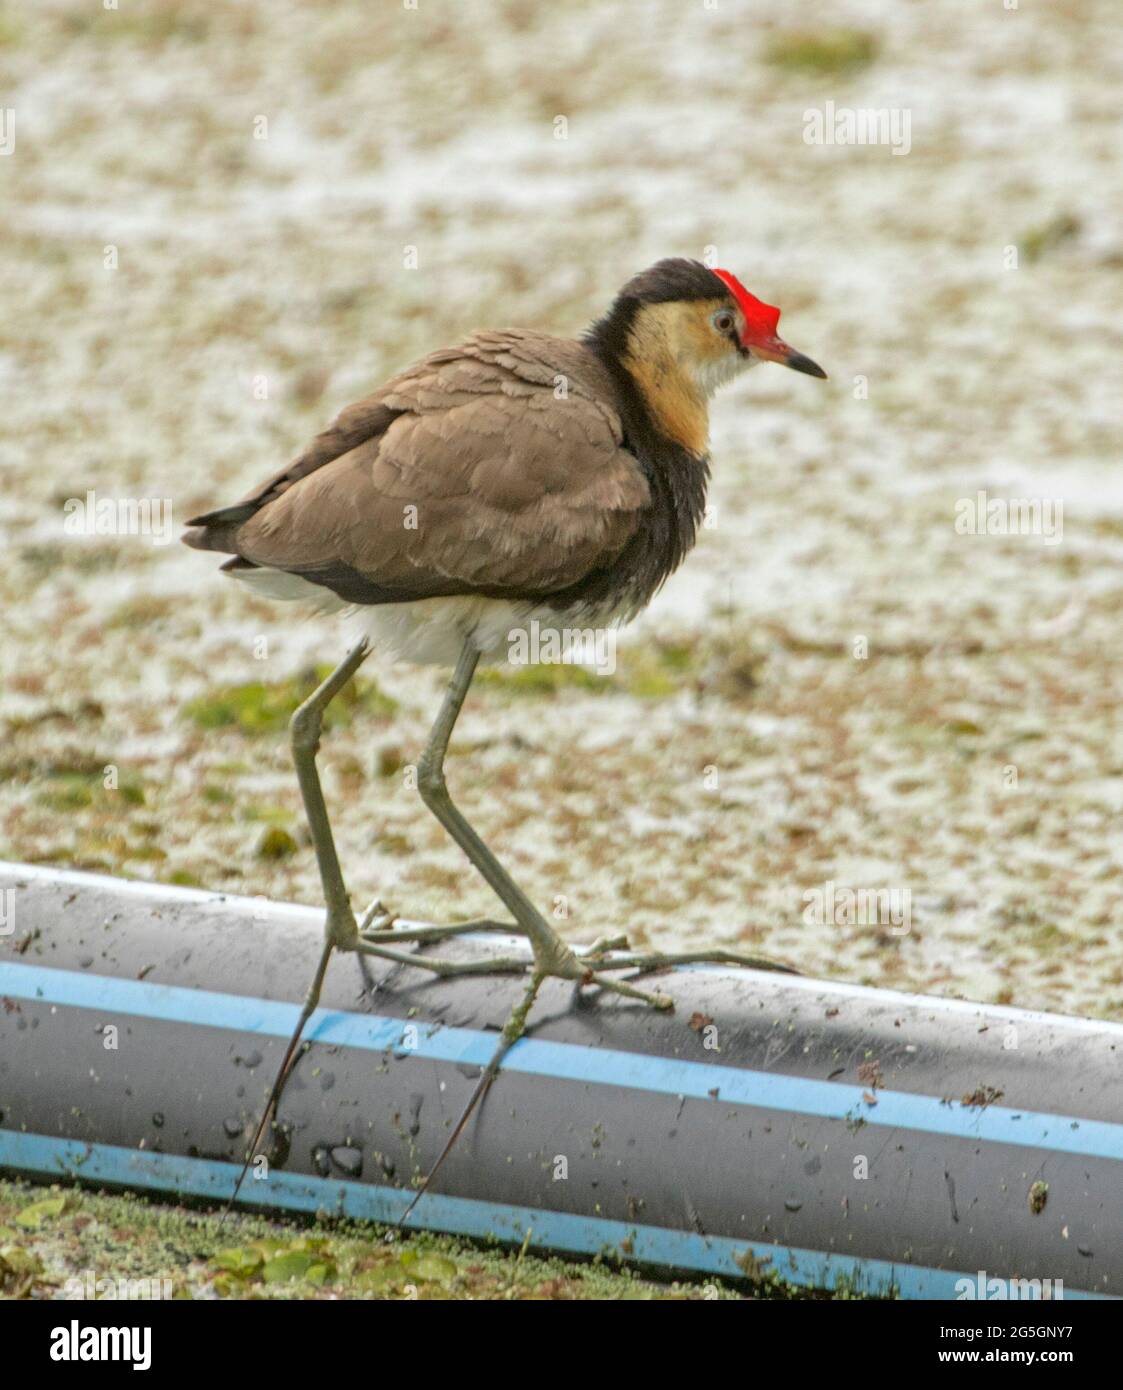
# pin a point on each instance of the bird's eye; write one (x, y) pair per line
(723, 321)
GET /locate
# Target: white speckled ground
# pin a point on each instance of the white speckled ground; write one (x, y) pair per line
(992, 660)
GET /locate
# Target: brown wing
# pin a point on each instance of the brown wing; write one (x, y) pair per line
(496, 467)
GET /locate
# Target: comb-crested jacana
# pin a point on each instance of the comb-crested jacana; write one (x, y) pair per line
(517, 477)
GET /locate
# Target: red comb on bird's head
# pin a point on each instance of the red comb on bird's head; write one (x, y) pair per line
(760, 337)
(760, 318)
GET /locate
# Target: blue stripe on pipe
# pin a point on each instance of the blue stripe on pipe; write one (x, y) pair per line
(552, 1230)
(569, 1061)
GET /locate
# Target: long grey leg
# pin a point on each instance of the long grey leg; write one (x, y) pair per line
(306, 726)
(339, 923)
(551, 954)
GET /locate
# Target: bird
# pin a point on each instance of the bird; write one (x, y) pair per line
(512, 479)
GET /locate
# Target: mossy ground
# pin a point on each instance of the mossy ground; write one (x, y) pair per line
(49, 1237)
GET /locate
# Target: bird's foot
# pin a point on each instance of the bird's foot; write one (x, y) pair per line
(381, 933)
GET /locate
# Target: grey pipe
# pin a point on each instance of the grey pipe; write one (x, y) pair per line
(823, 1133)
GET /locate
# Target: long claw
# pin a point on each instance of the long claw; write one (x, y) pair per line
(375, 913)
(288, 1061)
(656, 1001)
(449, 969)
(429, 931)
(513, 1030)
(660, 960)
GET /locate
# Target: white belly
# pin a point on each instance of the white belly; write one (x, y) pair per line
(432, 631)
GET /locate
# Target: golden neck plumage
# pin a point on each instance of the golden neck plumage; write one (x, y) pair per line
(662, 339)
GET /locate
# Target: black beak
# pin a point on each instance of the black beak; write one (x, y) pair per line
(798, 363)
